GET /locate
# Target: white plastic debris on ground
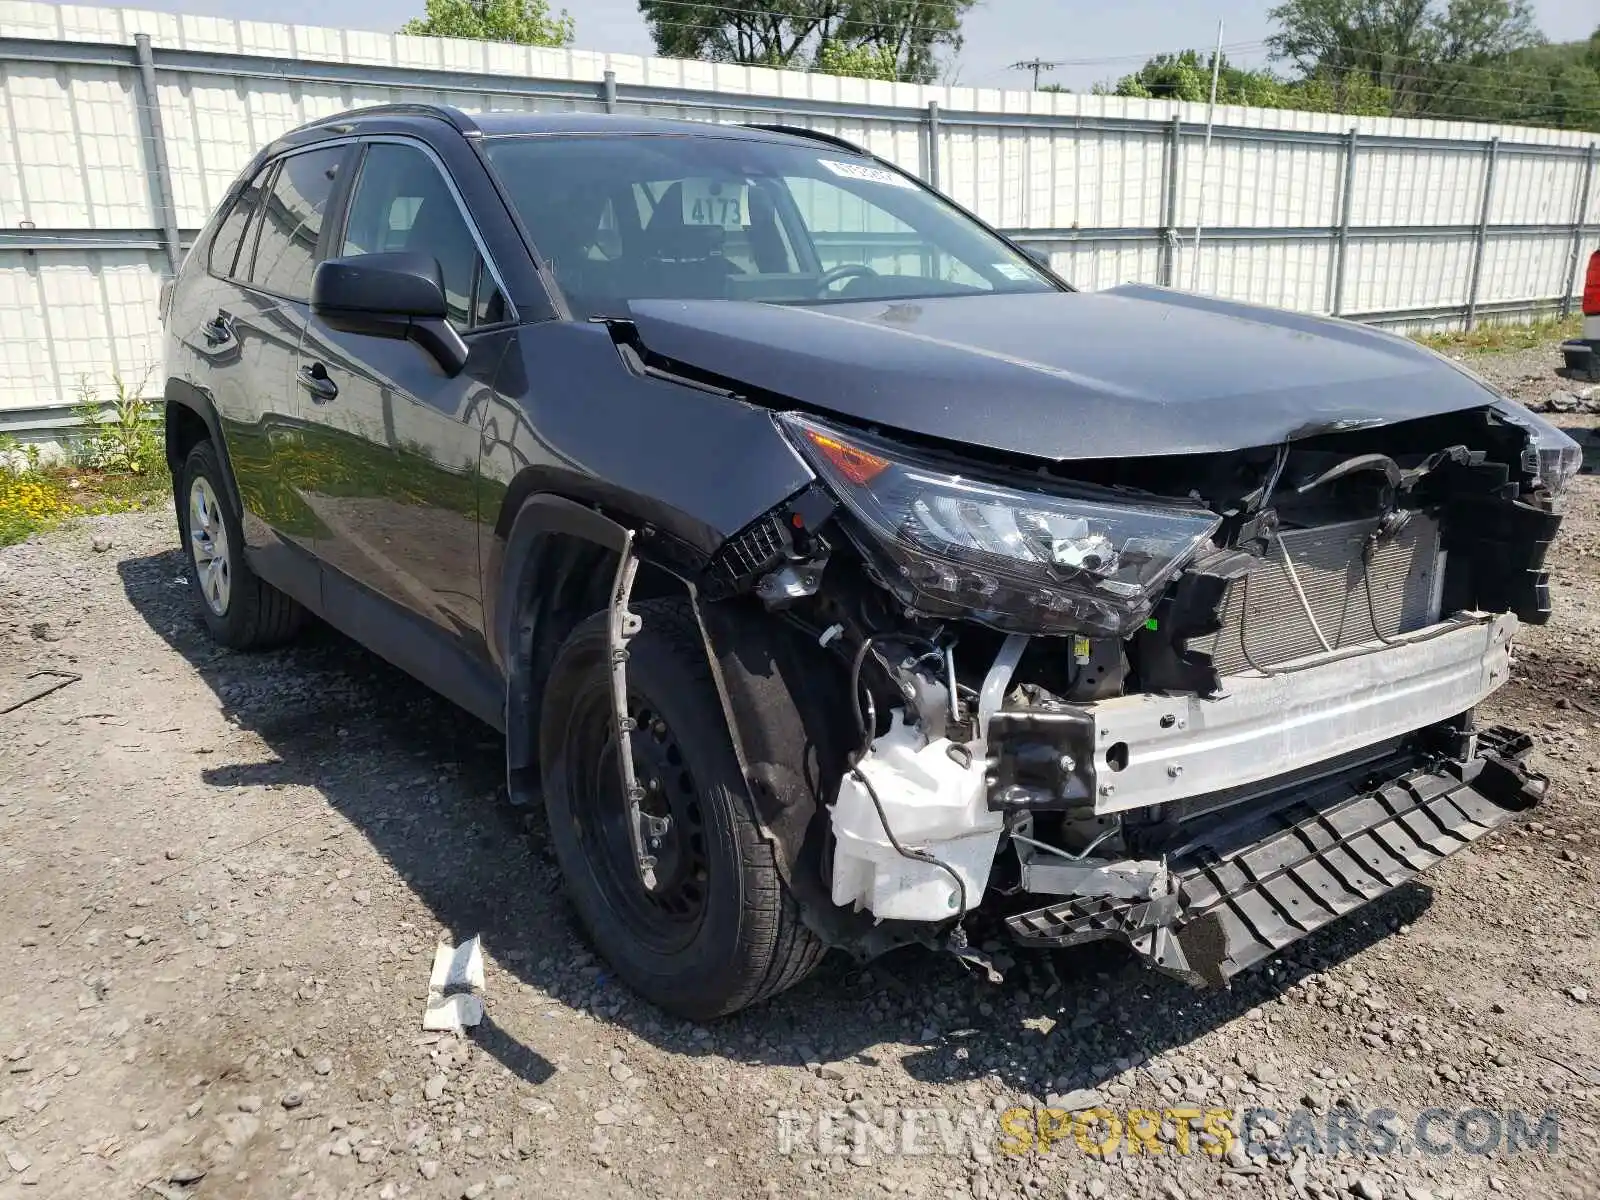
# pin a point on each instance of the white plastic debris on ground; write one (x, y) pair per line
(455, 989)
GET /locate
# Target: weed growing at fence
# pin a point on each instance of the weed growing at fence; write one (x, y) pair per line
(127, 439)
(116, 463)
(1490, 339)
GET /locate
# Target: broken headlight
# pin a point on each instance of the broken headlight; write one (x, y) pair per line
(1553, 455)
(1038, 562)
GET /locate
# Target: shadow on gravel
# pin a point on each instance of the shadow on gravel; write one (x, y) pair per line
(422, 781)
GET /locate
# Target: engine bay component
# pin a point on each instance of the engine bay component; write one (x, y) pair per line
(1041, 759)
(1358, 585)
(1053, 871)
(780, 554)
(932, 797)
(1176, 683)
(1039, 561)
(1123, 879)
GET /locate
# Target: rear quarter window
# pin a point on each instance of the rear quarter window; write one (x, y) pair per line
(231, 233)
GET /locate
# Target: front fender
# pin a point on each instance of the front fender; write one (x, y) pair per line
(572, 419)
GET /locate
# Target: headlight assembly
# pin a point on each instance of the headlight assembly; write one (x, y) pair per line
(1558, 455)
(1032, 561)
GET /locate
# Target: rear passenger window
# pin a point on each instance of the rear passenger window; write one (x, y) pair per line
(291, 222)
(225, 246)
(402, 202)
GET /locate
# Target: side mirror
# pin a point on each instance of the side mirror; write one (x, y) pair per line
(394, 295)
(1039, 257)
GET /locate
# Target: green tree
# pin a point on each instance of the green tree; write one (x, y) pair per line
(1542, 85)
(889, 39)
(1353, 94)
(1419, 51)
(770, 33)
(910, 34)
(1187, 76)
(864, 62)
(526, 21)
(1469, 59)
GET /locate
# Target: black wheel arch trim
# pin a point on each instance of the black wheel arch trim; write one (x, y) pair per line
(775, 705)
(186, 395)
(512, 615)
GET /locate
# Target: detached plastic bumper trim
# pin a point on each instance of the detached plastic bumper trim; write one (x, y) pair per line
(1250, 887)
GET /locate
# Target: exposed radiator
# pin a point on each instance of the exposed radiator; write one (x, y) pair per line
(1264, 623)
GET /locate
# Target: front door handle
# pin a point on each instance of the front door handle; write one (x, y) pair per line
(314, 378)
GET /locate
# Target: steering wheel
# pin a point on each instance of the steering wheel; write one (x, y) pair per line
(844, 271)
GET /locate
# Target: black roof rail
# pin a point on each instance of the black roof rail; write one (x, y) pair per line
(439, 112)
(815, 135)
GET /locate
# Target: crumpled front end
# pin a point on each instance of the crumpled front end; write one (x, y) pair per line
(1199, 704)
(1235, 890)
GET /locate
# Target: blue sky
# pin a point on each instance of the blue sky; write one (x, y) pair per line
(1116, 34)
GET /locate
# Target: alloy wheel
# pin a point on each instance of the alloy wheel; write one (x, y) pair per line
(208, 546)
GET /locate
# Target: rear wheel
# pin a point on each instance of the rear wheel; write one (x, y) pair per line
(709, 927)
(240, 609)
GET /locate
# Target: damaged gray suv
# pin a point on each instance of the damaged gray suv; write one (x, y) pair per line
(839, 576)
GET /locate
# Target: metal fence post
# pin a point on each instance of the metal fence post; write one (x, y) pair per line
(1169, 218)
(933, 144)
(150, 101)
(610, 91)
(1493, 156)
(1579, 213)
(1342, 238)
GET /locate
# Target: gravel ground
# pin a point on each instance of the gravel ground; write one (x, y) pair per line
(222, 878)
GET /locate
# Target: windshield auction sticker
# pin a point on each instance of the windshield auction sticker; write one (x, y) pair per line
(865, 173)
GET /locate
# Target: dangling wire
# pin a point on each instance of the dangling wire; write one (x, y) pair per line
(1367, 551)
(1300, 593)
(863, 747)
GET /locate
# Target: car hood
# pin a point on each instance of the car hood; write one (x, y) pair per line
(1132, 371)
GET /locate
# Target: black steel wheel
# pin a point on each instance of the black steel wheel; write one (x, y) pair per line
(703, 924)
(664, 904)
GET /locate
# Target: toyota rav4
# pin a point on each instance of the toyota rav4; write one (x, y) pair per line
(838, 575)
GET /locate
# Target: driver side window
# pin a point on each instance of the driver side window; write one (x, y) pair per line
(402, 202)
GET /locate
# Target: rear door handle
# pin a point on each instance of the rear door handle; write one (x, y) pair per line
(219, 330)
(314, 378)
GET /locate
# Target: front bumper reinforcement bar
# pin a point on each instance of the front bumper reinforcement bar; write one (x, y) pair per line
(1247, 888)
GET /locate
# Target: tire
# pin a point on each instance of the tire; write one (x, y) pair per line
(241, 610)
(742, 939)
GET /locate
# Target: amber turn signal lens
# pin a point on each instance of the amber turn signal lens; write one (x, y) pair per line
(858, 466)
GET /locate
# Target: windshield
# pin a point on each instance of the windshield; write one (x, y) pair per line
(620, 218)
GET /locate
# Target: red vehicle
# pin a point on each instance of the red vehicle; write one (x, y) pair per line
(1582, 353)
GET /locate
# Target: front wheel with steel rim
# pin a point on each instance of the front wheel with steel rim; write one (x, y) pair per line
(679, 892)
(240, 609)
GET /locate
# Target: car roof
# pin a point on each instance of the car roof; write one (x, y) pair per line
(525, 124)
